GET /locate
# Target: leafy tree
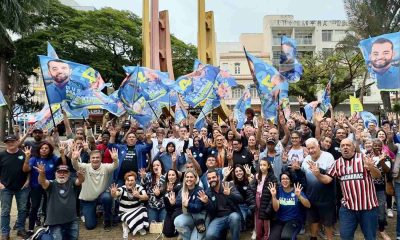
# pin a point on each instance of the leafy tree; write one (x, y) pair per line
(371, 18)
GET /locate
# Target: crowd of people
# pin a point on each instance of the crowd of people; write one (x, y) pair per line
(332, 173)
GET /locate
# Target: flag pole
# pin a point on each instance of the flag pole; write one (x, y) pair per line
(47, 96)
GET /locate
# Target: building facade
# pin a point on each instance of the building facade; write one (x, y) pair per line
(312, 36)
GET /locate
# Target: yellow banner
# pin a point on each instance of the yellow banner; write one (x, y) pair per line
(355, 105)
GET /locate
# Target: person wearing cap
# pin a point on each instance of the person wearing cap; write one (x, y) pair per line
(38, 138)
(45, 155)
(13, 182)
(61, 201)
(274, 156)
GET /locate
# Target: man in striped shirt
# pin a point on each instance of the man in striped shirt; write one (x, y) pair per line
(359, 203)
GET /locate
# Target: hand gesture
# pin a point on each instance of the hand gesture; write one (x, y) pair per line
(391, 116)
(203, 197)
(285, 157)
(62, 146)
(170, 186)
(142, 173)
(229, 154)
(162, 149)
(314, 167)
(16, 129)
(135, 192)
(368, 163)
(174, 157)
(76, 152)
(247, 169)
(281, 117)
(185, 199)
(189, 153)
(112, 131)
(114, 189)
(40, 168)
(300, 99)
(171, 198)
(227, 189)
(28, 151)
(318, 116)
(114, 154)
(156, 190)
(227, 171)
(272, 188)
(297, 189)
(383, 157)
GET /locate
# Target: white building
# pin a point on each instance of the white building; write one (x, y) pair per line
(311, 36)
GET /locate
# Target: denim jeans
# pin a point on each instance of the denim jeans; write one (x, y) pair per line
(349, 219)
(68, 231)
(245, 211)
(217, 227)
(21, 198)
(89, 210)
(185, 226)
(381, 195)
(156, 215)
(397, 194)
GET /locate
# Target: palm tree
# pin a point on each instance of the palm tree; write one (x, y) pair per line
(14, 19)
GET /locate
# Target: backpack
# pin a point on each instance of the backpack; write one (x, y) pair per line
(42, 234)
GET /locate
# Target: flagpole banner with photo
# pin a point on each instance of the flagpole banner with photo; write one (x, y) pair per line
(289, 66)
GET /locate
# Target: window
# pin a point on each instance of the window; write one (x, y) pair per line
(237, 92)
(339, 35)
(253, 91)
(225, 66)
(276, 37)
(237, 68)
(303, 37)
(327, 35)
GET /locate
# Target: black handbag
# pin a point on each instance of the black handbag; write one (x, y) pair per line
(200, 224)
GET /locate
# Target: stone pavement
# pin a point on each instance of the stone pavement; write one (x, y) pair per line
(116, 232)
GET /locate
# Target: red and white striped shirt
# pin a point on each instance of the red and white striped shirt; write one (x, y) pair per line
(356, 183)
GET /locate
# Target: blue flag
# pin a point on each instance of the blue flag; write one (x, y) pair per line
(326, 97)
(368, 117)
(180, 112)
(64, 79)
(243, 103)
(209, 106)
(269, 83)
(51, 52)
(2, 100)
(382, 56)
(289, 67)
(196, 86)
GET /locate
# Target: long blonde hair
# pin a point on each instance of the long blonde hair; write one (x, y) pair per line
(185, 189)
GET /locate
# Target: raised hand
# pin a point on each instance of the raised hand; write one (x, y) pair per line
(318, 116)
(272, 188)
(300, 99)
(135, 192)
(297, 189)
(40, 168)
(227, 189)
(247, 169)
(368, 163)
(112, 131)
(172, 198)
(391, 116)
(227, 171)
(114, 154)
(62, 146)
(76, 152)
(229, 153)
(156, 190)
(174, 157)
(170, 186)
(28, 151)
(113, 189)
(185, 199)
(203, 197)
(314, 167)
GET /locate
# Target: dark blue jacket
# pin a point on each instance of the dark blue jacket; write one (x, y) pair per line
(141, 151)
(194, 205)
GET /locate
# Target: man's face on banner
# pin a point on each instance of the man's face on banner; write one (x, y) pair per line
(381, 55)
(59, 71)
(289, 52)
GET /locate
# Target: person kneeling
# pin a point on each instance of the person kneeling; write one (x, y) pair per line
(61, 202)
(132, 211)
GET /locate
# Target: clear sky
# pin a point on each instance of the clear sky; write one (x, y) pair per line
(231, 17)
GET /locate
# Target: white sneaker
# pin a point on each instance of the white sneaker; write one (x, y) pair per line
(254, 235)
(389, 213)
(302, 231)
(142, 232)
(125, 231)
(83, 218)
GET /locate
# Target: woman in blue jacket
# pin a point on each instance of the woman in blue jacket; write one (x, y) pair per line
(192, 207)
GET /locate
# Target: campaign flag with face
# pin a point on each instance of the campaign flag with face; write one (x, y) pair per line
(2, 100)
(64, 79)
(90, 97)
(116, 107)
(43, 119)
(382, 57)
(196, 86)
(368, 117)
(326, 97)
(243, 103)
(269, 83)
(180, 112)
(129, 92)
(289, 67)
(153, 84)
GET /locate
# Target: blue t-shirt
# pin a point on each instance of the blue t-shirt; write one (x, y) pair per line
(50, 167)
(289, 206)
(389, 80)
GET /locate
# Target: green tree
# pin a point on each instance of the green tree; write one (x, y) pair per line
(371, 18)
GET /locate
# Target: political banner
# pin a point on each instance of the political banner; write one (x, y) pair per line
(51, 52)
(326, 97)
(243, 103)
(382, 57)
(355, 105)
(180, 112)
(210, 105)
(196, 86)
(64, 79)
(289, 67)
(368, 117)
